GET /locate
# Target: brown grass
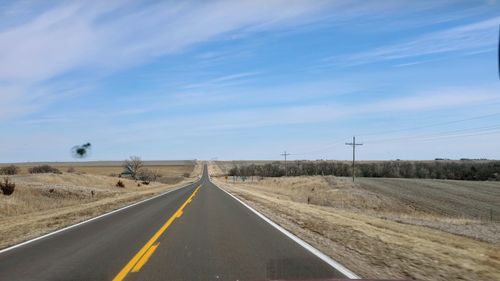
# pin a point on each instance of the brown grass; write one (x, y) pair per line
(170, 170)
(375, 235)
(452, 198)
(45, 202)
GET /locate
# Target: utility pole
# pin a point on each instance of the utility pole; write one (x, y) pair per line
(285, 154)
(353, 144)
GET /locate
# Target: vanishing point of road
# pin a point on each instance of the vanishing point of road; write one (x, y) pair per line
(197, 232)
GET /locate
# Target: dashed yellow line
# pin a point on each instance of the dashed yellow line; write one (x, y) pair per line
(136, 263)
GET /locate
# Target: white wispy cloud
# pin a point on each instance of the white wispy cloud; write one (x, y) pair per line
(470, 38)
(49, 41)
(108, 36)
(214, 123)
(90, 34)
(224, 80)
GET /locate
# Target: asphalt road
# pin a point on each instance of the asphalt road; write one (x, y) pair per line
(197, 232)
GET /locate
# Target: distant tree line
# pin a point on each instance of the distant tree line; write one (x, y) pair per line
(456, 170)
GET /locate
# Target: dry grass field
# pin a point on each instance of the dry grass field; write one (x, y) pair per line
(453, 198)
(386, 228)
(44, 202)
(106, 168)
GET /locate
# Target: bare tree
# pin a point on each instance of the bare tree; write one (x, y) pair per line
(132, 166)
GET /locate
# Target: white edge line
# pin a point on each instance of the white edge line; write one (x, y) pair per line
(349, 274)
(89, 220)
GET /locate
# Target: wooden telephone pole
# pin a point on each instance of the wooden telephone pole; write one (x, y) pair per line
(353, 144)
(285, 154)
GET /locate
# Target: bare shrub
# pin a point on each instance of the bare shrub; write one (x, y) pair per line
(7, 187)
(147, 175)
(132, 166)
(120, 184)
(44, 169)
(186, 175)
(145, 182)
(71, 170)
(9, 170)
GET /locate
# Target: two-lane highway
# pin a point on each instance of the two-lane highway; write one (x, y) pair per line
(194, 233)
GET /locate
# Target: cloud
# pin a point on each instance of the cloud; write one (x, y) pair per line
(470, 38)
(103, 37)
(223, 122)
(442, 98)
(78, 34)
(54, 39)
(224, 80)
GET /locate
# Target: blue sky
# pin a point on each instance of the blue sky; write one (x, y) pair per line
(249, 79)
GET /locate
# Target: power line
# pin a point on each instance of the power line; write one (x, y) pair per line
(340, 142)
(433, 125)
(489, 132)
(440, 134)
(319, 150)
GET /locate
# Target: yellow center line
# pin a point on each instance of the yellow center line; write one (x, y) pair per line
(179, 214)
(137, 261)
(145, 258)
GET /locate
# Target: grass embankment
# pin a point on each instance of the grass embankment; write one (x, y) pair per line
(42, 203)
(386, 228)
